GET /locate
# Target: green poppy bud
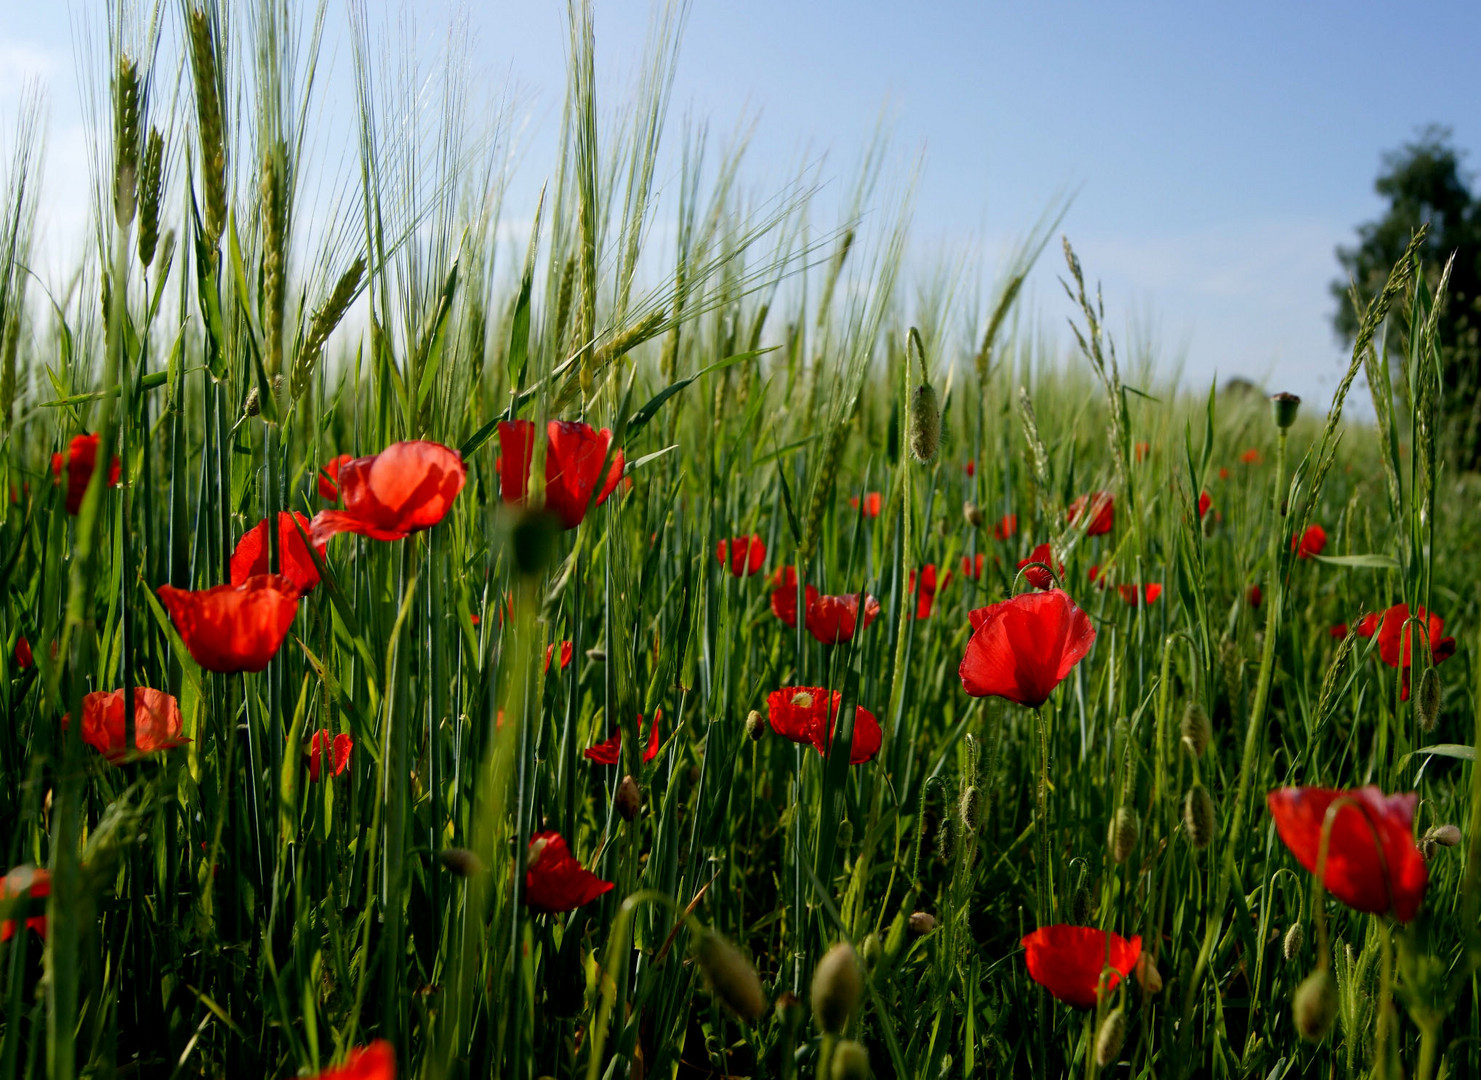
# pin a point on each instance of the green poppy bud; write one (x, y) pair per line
(925, 424)
(836, 986)
(1122, 835)
(850, 1061)
(1196, 730)
(1198, 816)
(1294, 939)
(1110, 1039)
(1314, 1005)
(730, 975)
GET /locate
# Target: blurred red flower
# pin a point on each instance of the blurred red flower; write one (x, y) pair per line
(22, 882)
(407, 487)
(329, 477)
(1006, 527)
(925, 595)
(554, 880)
(1204, 502)
(156, 722)
(1142, 450)
(574, 454)
(972, 566)
(809, 714)
(1339, 630)
(1223, 473)
(251, 556)
(1022, 648)
(1099, 507)
(872, 502)
(234, 627)
(834, 619)
(1311, 542)
(746, 554)
(374, 1062)
(565, 655)
(1250, 456)
(80, 459)
(23, 657)
(1132, 596)
(609, 752)
(1372, 862)
(1037, 576)
(784, 594)
(1254, 596)
(971, 468)
(1394, 635)
(338, 748)
(1069, 961)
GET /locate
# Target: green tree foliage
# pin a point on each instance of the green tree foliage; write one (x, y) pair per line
(1425, 183)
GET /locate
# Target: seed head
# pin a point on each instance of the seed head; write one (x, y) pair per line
(922, 923)
(850, 1061)
(1122, 835)
(125, 140)
(973, 514)
(1283, 408)
(755, 725)
(836, 986)
(1315, 1005)
(1196, 730)
(730, 975)
(1444, 835)
(149, 185)
(1294, 939)
(1198, 816)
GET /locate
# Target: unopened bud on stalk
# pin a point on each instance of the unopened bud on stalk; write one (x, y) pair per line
(922, 923)
(872, 952)
(788, 1007)
(1444, 835)
(597, 655)
(628, 800)
(1122, 835)
(1110, 1038)
(755, 725)
(925, 424)
(1147, 975)
(1082, 907)
(969, 808)
(1315, 1005)
(1427, 701)
(836, 986)
(730, 975)
(460, 861)
(1196, 730)
(973, 514)
(850, 1061)
(1283, 408)
(1295, 937)
(845, 835)
(1198, 816)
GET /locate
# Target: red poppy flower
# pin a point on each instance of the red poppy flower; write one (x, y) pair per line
(1006, 527)
(1394, 634)
(1074, 962)
(554, 880)
(872, 502)
(1310, 543)
(565, 655)
(80, 459)
(972, 566)
(1373, 863)
(1223, 473)
(1132, 596)
(338, 750)
(1339, 630)
(833, 619)
(1250, 456)
(1254, 596)
(784, 594)
(1204, 502)
(26, 881)
(1095, 578)
(809, 714)
(251, 556)
(1022, 648)
(746, 553)
(329, 477)
(1368, 624)
(609, 751)
(1037, 576)
(1099, 507)
(407, 487)
(573, 464)
(374, 1062)
(971, 468)
(925, 595)
(156, 722)
(1142, 450)
(23, 657)
(234, 627)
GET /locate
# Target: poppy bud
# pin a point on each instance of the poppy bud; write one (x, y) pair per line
(730, 975)
(845, 834)
(1444, 835)
(460, 861)
(922, 923)
(850, 1061)
(969, 807)
(755, 725)
(1121, 836)
(1427, 703)
(599, 655)
(1110, 1038)
(1198, 816)
(628, 799)
(836, 986)
(1315, 1005)
(1283, 409)
(532, 539)
(1147, 975)
(1082, 906)
(925, 424)
(872, 952)
(973, 513)
(788, 1007)
(1294, 939)
(1197, 732)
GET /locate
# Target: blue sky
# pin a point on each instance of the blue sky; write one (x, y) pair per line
(1220, 151)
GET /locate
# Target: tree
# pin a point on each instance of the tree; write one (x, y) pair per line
(1425, 184)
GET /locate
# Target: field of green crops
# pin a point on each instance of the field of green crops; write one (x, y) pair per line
(696, 640)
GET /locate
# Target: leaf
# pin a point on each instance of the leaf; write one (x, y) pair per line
(646, 413)
(1364, 562)
(1459, 751)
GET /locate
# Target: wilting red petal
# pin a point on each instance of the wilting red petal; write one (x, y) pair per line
(1372, 863)
(573, 466)
(1099, 507)
(407, 487)
(1037, 576)
(374, 1062)
(746, 554)
(33, 882)
(609, 750)
(1022, 648)
(234, 627)
(1068, 961)
(329, 477)
(1394, 636)
(80, 459)
(1312, 542)
(554, 880)
(809, 714)
(157, 722)
(834, 619)
(565, 655)
(251, 555)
